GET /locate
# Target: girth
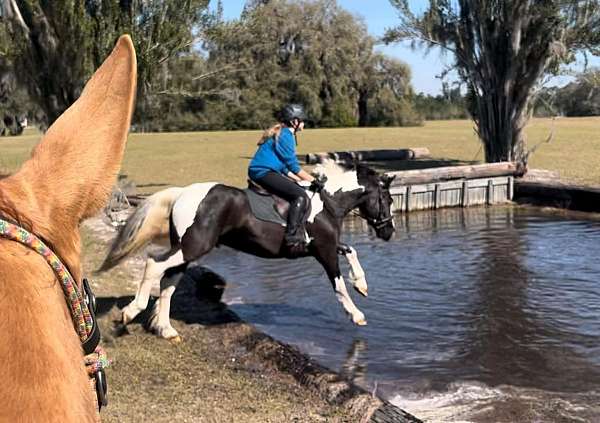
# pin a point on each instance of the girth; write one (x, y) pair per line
(82, 306)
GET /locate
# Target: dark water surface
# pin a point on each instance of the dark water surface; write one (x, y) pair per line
(481, 314)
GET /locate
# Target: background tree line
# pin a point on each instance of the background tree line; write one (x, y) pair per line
(197, 71)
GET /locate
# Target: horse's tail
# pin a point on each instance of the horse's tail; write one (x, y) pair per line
(149, 222)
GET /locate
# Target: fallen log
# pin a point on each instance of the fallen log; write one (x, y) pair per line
(439, 174)
(368, 155)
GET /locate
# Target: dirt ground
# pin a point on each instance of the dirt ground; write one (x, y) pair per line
(210, 377)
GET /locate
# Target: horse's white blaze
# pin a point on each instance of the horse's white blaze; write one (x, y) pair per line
(392, 214)
(357, 274)
(186, 205)
(342, 295)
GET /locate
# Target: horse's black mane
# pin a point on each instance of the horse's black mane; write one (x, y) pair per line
(330, 205)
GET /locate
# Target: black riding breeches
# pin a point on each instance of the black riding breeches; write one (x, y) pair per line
(283, 187)
(287, 189)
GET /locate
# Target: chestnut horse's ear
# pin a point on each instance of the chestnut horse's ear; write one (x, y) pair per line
(73, 168)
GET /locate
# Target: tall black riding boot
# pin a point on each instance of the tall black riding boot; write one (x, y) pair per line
(294, 232)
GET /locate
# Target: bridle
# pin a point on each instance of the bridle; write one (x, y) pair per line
(82, 306)
(379, 222)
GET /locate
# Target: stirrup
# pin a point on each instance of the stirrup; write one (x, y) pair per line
(297, 238)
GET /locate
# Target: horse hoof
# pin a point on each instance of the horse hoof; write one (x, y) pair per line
(361, 322)
(362, 291)
(175, 340)
(125, 319)
(128, 314)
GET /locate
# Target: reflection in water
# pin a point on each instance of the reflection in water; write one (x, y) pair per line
(354, 367)
(496, 297)
(506, 343)
(499, 321)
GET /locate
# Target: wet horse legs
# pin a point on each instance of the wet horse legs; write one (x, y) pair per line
(329, 261)
(357, 274)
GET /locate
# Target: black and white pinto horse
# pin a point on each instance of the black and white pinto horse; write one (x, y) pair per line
(195, 219)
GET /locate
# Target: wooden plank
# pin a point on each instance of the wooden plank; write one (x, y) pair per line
(451, 197)
(464, 202)
(463, 193)
(477, 195)
(422, 200)
(501, 194)
(427, 176)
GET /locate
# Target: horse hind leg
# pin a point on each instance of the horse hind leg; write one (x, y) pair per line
(154, 271)
(160, 321)
(357, 274)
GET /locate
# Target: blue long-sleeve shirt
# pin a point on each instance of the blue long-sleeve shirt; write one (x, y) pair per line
(275, 156)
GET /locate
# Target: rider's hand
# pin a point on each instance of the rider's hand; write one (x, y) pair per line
(318, 183)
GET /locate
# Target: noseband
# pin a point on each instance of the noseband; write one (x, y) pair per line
(82, 306)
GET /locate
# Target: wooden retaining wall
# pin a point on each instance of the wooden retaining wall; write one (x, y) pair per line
(456, 193)
(455, 186)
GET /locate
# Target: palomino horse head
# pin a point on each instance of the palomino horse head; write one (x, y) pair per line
(377, 208)
(67, 179)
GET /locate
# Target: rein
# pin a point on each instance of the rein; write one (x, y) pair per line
(82, 307)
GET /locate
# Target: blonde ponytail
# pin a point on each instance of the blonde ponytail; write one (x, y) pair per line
(272, 132)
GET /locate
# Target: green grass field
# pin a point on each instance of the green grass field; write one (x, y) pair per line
(158, 159)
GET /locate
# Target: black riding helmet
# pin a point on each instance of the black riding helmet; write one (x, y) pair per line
(291, 112)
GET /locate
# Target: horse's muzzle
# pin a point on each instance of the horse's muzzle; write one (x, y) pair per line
(385, 232)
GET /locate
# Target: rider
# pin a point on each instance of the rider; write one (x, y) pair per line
(276, 168)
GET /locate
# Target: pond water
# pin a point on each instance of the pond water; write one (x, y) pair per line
(480, 314)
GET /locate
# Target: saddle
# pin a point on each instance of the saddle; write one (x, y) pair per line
(269, 207)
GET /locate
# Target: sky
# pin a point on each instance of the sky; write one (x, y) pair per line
(379, 15)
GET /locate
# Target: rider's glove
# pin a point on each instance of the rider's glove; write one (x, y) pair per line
(318, 183)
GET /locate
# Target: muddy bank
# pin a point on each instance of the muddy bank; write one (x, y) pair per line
(224, 371)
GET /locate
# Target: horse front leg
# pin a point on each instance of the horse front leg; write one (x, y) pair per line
(329, 261)
(357, 274)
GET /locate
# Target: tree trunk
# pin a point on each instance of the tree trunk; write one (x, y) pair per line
(501, 128)
(503, 51)
(363, 108)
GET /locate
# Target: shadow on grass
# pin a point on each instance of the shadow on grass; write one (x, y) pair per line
(398, 165)
(196, 300)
